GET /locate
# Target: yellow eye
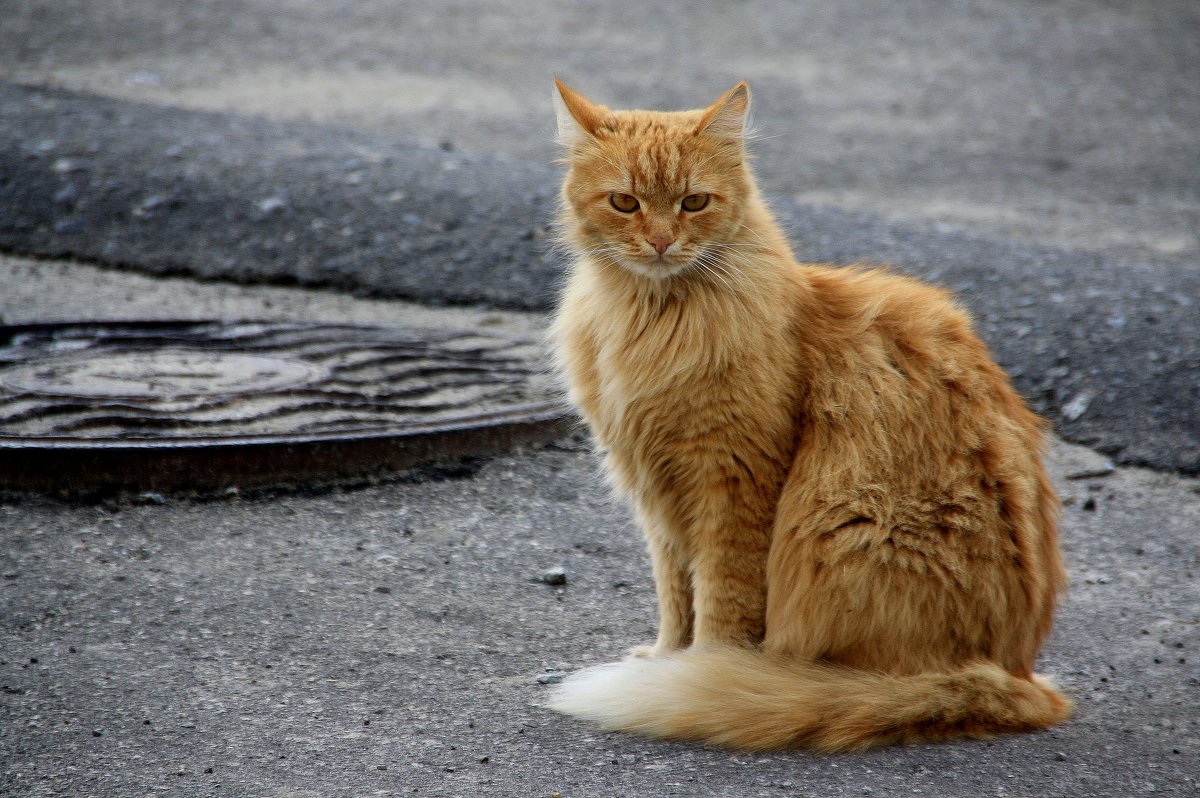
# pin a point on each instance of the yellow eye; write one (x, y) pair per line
(623, 202)
(695, 202)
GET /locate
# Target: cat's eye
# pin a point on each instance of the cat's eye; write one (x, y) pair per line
(623, 202)
(694, 202)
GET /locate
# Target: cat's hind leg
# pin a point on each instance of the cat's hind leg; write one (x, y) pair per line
(892, 599)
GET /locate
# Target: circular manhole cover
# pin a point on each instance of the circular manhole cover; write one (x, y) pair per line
(205, 405)
(158, 375)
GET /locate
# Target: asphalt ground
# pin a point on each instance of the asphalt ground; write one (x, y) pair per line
(1106, 345)
(1071, 123)
(395, 639)
(170, 160)
(389, 639)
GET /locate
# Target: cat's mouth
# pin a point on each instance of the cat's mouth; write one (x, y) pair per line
(660, 266)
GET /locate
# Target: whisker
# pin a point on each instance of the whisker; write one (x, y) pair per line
(753, 232)
(722, 268)
(709, 269)
(747, 247)
(605, 259)
(731, 268)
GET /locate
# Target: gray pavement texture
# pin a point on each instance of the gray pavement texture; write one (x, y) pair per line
(217, 196)
(389, 641)
(1072, 122)
(1040, 163)
(381, 161)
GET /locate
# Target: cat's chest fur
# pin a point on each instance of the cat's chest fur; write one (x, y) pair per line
(676, 389)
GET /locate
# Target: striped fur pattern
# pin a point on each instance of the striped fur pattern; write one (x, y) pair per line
(851, 531)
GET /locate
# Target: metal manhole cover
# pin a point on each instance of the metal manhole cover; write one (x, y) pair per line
(204, 405)
(167, 375)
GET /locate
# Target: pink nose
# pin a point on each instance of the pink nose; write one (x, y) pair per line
(660, 243)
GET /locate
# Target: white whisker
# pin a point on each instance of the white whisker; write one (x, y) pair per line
(722, 267)
(709, 268)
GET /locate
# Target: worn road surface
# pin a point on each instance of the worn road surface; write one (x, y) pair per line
(377, 161)
(1039, 160)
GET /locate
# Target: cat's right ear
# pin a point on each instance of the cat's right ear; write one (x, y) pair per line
(578, 117)
(729, 116)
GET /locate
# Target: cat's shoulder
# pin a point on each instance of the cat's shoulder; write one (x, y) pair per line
(870, 279)
(886, 299)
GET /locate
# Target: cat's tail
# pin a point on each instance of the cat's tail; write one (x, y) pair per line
(751, 700)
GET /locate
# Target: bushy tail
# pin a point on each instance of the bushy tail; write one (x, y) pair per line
(747, 699)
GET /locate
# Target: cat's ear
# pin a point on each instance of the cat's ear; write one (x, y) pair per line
(728, 117)
(578, 117)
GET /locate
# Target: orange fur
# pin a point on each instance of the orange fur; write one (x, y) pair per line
(852, 534)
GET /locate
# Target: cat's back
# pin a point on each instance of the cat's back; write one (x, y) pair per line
(908, 421)
(897, 333)
(865, 300)
(896, 377)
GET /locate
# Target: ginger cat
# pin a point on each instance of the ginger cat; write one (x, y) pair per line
(852, 534)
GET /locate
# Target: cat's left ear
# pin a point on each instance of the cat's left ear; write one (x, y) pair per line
(578, 117)
(728, 116)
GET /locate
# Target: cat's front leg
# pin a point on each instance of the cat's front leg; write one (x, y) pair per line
(673, 585)
(729, 575)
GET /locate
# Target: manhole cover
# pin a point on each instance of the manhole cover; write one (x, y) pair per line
(161, 375)
(205, 405)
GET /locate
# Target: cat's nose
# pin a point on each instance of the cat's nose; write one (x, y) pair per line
(660, 243)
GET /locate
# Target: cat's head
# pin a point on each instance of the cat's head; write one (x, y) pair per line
(656, 193)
